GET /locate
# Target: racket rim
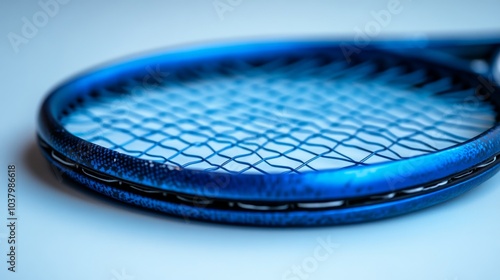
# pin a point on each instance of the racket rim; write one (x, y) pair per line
(49, 127)
(62, 163)
(295, 218)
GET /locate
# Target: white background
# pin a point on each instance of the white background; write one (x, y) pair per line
(70, 233)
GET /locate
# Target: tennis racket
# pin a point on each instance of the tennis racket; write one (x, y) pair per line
(280, 133)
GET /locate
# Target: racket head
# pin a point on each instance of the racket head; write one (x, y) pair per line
(364, 189)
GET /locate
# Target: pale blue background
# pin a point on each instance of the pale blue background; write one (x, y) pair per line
(68, 233)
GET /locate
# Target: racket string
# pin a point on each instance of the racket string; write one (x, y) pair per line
(281, 116)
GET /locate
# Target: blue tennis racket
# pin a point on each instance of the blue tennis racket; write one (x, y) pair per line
(280, 133)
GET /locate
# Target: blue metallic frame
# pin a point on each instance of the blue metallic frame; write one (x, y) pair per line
(352, 182)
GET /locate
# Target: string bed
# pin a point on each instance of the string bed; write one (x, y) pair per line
(282, 115)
